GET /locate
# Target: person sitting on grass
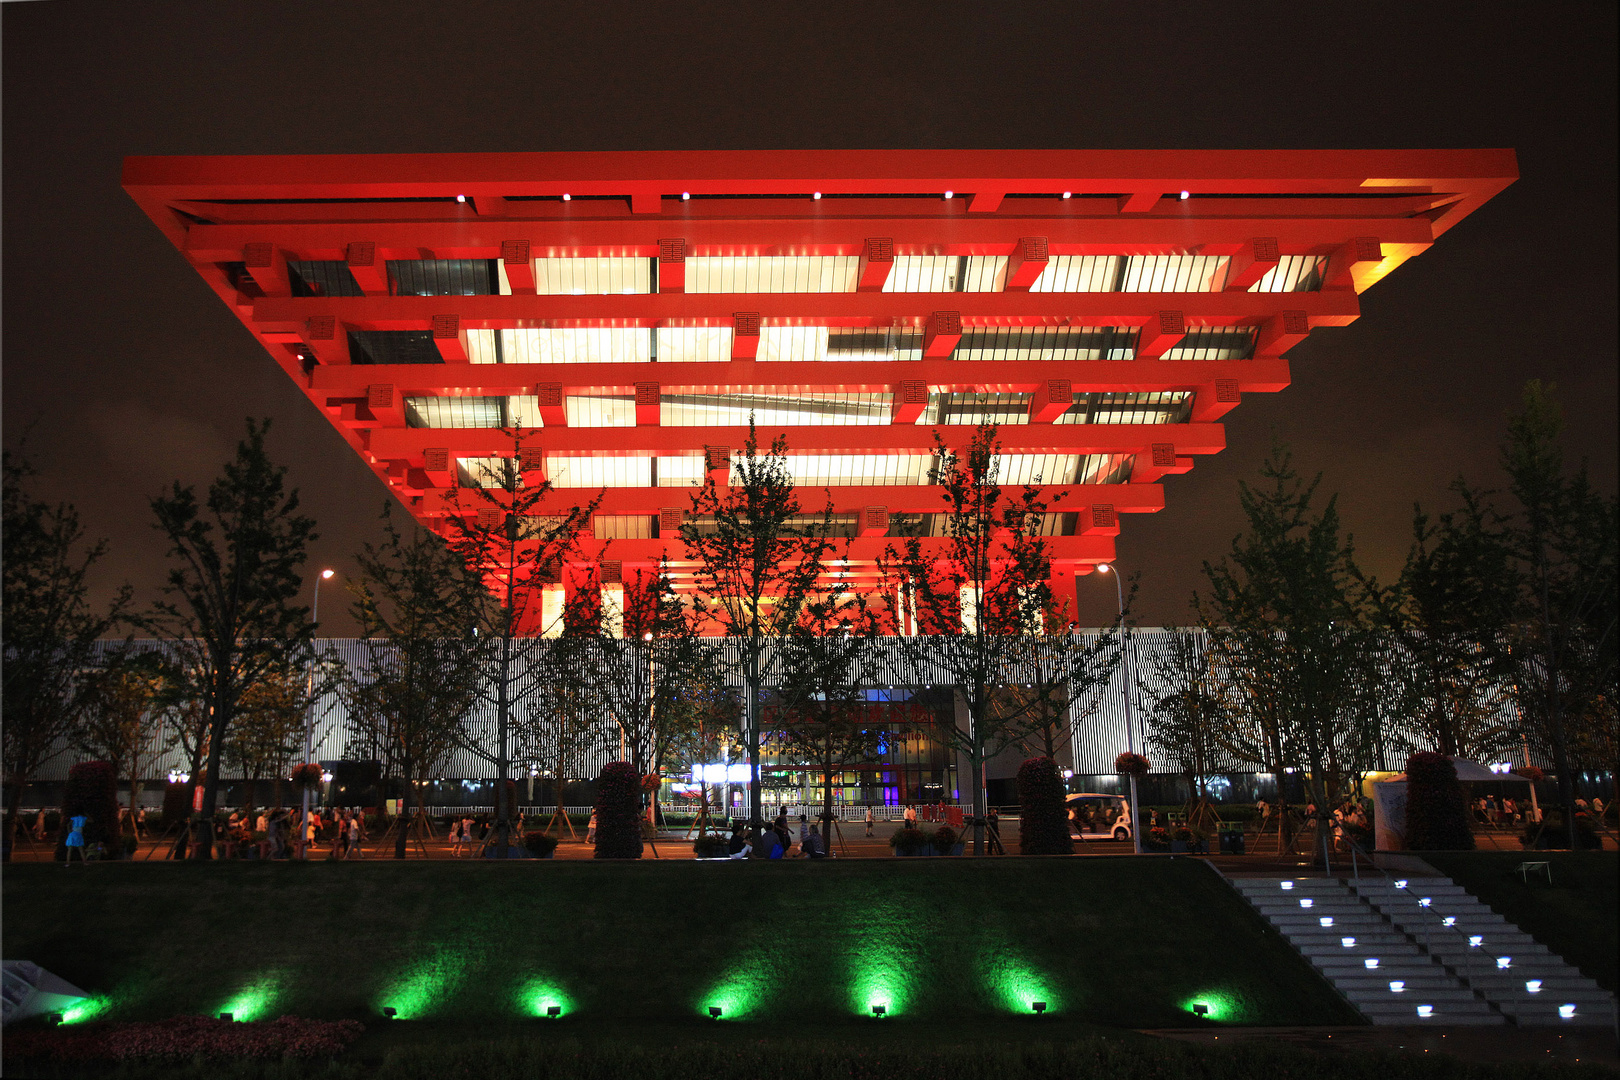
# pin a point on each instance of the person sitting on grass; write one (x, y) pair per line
(739, 847)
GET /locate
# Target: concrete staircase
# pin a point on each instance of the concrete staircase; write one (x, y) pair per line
(1517, 975)
(1379, 969)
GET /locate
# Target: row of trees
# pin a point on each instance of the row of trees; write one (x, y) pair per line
(1506, 604)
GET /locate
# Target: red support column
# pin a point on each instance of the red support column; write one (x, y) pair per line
(268, 266)
(877, 260)
(368, 267)
(745, 335)
(649, 405)
(1281, 332)
(909, 399)
(450, 338)
(672, 266)
(1029, 257)
(943, 331)
(326, 339)
(1252, 262)
(1215, 400)
(519, 267)
(1343, 263)
(1051, 400)
(553, 409)
(1160, 334)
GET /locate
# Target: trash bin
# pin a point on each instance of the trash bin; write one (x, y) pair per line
(1231, 842)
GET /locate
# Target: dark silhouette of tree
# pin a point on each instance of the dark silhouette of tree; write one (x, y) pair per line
(48, 634)
(232, 617)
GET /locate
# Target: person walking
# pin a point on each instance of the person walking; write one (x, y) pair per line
(75, 839)
(992, 825)
(910, 816)
(590, 829)
(354, 851)
(868, 819)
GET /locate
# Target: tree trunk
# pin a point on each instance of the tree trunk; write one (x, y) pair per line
(756, 814)
(14, 794)
(501, 837)
(400, 841)
(976, 758)
(826, 802)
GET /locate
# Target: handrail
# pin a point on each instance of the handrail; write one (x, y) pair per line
(1400, 885)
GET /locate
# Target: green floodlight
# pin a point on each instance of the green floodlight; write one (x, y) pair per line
(225, 1016)
(53, 1018)
(389, 1012)
(880, 1011)
(1200, 1009)
(715, 1011)
(1038, 1006)
(554, 1011)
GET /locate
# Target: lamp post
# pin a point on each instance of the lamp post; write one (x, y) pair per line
(1130, 716)
(309, 716)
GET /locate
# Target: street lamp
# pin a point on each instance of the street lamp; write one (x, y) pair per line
(309, 711)
(1130, 716)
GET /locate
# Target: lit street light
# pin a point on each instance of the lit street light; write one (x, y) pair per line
(1130, 717)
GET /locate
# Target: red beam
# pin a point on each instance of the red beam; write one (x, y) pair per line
(408, 443)
(853, 376)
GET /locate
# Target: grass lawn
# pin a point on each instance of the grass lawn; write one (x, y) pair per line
(1577, 916)
(940, 942)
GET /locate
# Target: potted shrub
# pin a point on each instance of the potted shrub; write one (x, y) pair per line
(945, 841)
(539, 844)
(1043, 827)
(1157, 839)
(710, 846)
(908, 841)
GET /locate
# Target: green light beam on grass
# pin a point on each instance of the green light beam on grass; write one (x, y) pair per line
(427, 985)
(539, 994)
(738, 994)
(253, 1002)
(1221, 1006)
(880, 968)
(86, 1009)
(1018, 986)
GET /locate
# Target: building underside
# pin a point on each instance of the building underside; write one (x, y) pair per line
(611, 321)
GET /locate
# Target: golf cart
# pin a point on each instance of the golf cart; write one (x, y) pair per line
(1094, 816)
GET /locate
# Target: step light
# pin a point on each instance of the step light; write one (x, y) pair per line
(1504, 962)
(567, 197)
(1400, 883)
(1348, 942)
(1532, 986)
(1185, 195)
(1425, 901)
(1287, 885)
(1566, 1012)
(1397, 986)
(1372, 963)
(714, 1012)
(1068, 194)
(1326, 920)
(950, 194)
(1425, 1011)
(1475, 941)
(1306, 902)
(1449, 920)
(815, 195)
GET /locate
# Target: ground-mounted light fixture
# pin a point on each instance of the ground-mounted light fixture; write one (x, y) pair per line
(227, 1017)
(1200, 1009)
(1038, 1006)
(880, 1011)
(714, 1012)
(553, 1011)
(53, 1018)
(389, 1012)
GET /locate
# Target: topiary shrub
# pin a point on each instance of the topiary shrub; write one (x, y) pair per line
(1043, 828)
(908, 841)
(710, 846)
(618, 812)
(92, 790)
(539, 844)
(1436, 808)
(943, 839)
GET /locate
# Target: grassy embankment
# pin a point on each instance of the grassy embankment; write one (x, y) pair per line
(1123, 942)
(1577, 916)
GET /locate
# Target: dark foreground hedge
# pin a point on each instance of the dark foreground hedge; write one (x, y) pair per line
(1096, 1058)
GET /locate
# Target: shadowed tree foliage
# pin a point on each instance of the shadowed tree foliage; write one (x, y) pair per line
(1187, 707)
(517, 544)
(759, 557)
(979, 601)
(48, 633)
(1436, 807)
(269, 729)
(418, 608)
(1289, 627)
(125, 715)
(232, 617)
(1043, 824)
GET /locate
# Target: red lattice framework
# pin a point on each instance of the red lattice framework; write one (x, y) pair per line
(239, 220)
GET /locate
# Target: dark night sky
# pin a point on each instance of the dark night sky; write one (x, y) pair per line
(126, 371)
